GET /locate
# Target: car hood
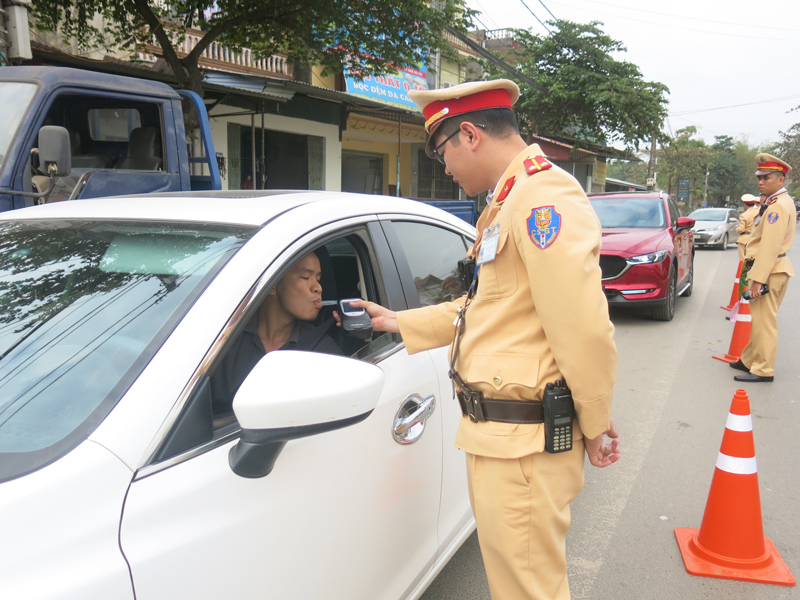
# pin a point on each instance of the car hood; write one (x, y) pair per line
(698, 225)
(632, 241)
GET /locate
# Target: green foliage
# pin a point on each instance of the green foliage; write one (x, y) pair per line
(730, 164)
(630, 171)
(788, 149)
(590, 95)
(374, 36)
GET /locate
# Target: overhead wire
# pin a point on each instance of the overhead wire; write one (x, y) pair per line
(548, 10)
(690, 112)
(535, 17)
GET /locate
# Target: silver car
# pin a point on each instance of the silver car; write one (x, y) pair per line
(715, 227)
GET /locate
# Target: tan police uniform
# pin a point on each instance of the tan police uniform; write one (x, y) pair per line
(746, 220)
(771, 239)
(539, 315)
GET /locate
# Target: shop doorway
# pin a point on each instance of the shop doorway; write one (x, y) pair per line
(362, 172)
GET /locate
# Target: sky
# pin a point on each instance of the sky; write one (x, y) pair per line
(709, 53)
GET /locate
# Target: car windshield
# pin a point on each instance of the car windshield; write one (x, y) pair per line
(629, 211)
(709, 214)
(84, 305)
(15, 98)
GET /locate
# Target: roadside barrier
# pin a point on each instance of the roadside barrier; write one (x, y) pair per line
(741, 331)
(730, 543)
(735, 293)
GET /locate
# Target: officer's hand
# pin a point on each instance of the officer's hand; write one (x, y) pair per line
(383, 319)
(755, 290)
(604, 449)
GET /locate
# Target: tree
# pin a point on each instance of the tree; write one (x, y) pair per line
(788, 149)
(371, 36)
(590, 95)
(725, 173)
(683, 157)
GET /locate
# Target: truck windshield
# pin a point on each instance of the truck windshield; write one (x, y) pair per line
(84, 305)
(15, 98)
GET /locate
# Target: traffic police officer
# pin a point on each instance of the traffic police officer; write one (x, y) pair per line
(538, 315)
(765, 255)
(746, 219)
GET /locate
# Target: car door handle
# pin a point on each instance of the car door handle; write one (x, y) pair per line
(410, 418)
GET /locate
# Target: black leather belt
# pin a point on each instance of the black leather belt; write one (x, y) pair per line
(478, 408)
(781, 255)
(746, 233)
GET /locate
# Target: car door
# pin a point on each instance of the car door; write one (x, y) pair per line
(682, 243)
(427, 254)
(344, 515)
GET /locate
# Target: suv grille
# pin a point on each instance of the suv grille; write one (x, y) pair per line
(611, 265)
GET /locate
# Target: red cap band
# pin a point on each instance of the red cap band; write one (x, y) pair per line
(441, 109)
(773, 166)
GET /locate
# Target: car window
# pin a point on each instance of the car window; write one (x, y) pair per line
(84, 305)
(710, 214)
(349, 269)
(432, 253)
(674, 213)
(629, 211)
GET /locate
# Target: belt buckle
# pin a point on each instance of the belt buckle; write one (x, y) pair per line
(472, 405)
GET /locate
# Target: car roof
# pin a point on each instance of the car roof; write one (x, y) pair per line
(228, 207)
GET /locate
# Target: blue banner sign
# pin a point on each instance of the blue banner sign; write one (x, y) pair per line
(390, 89)
(683, 190)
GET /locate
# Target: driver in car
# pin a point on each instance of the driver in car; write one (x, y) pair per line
(284, 321)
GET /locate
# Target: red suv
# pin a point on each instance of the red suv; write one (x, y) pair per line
(647, 256)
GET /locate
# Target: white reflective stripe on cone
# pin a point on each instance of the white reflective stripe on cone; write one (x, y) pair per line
(736, 465)
(744, 318)
(739, 422)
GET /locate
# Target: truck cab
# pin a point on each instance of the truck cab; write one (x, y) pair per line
(126, 136)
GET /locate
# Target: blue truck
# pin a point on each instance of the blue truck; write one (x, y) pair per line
(69, 134)
(118, 135)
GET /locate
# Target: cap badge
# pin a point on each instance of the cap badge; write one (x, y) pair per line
(534, 164)
(544, 225)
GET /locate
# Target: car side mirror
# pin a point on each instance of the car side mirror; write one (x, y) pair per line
(684, 223)
(55, 152)
(733, 220)
(290, 395)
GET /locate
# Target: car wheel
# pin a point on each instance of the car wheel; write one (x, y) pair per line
(666, 311)
(724, 245)
(688, 291)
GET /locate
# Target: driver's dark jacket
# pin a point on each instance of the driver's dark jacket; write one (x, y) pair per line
(247, 350)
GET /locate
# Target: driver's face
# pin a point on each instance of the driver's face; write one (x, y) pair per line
(299, 292)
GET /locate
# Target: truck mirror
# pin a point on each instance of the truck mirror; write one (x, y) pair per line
(55, 151)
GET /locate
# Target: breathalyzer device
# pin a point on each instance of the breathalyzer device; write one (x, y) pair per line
(558, 413)
(355, 320)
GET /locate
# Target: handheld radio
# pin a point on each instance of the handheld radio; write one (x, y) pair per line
(558, 413)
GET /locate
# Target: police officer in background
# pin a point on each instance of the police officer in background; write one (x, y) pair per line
(537, 316)
(746, 220)
(765, 255)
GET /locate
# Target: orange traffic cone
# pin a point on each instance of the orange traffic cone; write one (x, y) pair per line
(730, 543)
(741, 332)
(735, 292)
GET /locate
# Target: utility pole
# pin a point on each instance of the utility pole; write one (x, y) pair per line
(705, 185)
(651, 167)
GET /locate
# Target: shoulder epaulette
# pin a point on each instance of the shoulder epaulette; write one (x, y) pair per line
(534, 164)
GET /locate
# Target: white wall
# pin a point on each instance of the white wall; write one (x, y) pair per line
(333, 147)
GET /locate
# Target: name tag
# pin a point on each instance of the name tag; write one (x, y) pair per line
(491, 235)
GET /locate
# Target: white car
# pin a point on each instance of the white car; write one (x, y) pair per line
(118, 470)
(715, 227)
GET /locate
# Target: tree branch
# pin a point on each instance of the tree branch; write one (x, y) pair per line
(157, 29)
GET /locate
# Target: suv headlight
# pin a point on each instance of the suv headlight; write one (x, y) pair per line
(647, 259)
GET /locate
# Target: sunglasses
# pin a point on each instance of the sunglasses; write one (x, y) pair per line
(435, 151)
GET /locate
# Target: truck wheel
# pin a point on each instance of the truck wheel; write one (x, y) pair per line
(666, 311)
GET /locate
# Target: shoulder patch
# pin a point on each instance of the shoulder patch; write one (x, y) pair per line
(506, 189)
(772, 217)
(534, 164)
(544, 225)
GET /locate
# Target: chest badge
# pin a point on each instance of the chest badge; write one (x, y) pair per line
(534, 164)
(544, 225)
